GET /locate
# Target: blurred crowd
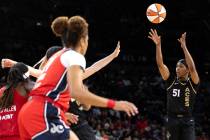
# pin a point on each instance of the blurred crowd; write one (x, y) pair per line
(142, 85)
(130, 78)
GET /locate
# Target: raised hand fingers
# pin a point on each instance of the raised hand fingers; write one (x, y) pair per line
(118, 45)
(184, 35)
(154, 32)
(151, 34)
(150, 37)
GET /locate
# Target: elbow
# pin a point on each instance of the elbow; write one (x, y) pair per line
(77, 93)
(160, 65)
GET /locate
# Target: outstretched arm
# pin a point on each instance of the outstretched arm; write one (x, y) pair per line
(34, 72)
(189, 59)
(81, 94)
(7, 63)
(101, 63)
(159, 58)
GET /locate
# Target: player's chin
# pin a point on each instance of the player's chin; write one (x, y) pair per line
(181, 76)
(178, 74)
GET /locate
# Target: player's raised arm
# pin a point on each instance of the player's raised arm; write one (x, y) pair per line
(189, 59)
(80, 93)
(101, 63)
(159, 58)
(7, 63)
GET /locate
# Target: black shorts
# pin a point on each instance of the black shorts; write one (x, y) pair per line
(84, 131)
(180, 128)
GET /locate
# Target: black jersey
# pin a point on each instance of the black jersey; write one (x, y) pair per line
(180, 96)
(77, 109)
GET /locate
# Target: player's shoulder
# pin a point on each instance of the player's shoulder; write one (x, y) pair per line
(71, 57)
(170, 81)
(72, 53)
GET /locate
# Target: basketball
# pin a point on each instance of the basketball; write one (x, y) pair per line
(156, 13)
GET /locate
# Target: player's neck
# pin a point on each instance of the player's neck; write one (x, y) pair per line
(183, 79)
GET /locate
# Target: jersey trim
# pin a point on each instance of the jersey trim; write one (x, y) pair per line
(59, 88)
(192, 87)
(46, 123)
(171, 85)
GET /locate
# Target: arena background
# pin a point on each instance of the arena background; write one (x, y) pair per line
(25, 35)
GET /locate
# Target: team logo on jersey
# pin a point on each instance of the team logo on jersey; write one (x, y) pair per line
(187, 97)
(56, 129)
(187, 90)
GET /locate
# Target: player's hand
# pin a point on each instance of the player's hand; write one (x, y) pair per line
(127, 107)
(117, 50)
(154, 37)
(86, 107)
(182, 40)
(71, 118)
(7, 63)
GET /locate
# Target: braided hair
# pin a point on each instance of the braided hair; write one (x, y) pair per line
(16, 76)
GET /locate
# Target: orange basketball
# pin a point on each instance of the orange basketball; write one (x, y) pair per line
(156, 13)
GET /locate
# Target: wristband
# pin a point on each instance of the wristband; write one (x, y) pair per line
(111, 103)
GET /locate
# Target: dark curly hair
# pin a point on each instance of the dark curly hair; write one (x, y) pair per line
(15, 76)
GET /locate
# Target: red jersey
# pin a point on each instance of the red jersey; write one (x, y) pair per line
(8, 116)
(42, 117)
(53, 81)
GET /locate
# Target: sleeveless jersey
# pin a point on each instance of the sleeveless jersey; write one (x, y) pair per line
(180, 96)
(8, 116)
(53, 81)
